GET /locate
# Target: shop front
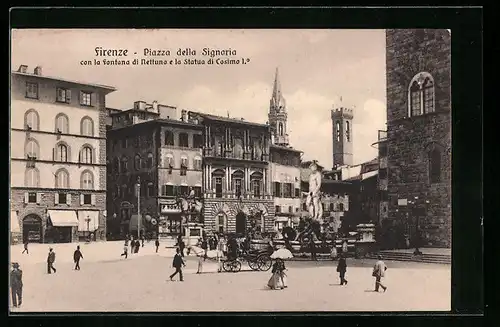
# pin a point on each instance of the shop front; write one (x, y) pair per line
(171, 221)
(63, 226)
(32, 229)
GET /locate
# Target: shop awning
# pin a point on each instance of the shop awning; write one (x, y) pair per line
(281, 219)
(63, 218)
(14, 223)
(92, 216)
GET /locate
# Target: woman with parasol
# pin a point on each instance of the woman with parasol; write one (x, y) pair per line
(279, 278)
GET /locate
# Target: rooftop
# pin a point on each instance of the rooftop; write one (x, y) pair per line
(161, 122)
(280, 147)
(228, 119)
(99, 86)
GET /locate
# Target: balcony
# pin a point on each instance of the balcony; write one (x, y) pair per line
(232, 195)
(229, 155)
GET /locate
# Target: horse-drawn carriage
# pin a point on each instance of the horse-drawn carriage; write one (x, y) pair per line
(258, 260)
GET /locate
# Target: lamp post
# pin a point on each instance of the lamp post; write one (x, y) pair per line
(88, 227)
(138, 185)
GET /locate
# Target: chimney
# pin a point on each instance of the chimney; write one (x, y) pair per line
(184, 115)
(38, 70)
(23, 69)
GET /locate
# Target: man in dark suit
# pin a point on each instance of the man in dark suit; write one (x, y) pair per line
(16, 285)
(26, 246)
(51, 258)
(341, 269)
(157, 244)
(177, 263)
(77, 255)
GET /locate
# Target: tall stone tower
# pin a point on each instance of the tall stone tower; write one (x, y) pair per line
(342, 136)
(277, 115)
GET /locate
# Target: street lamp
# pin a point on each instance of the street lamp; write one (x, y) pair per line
(138, 185)
(88, 227)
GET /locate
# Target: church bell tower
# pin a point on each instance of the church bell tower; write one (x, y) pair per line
(342, 136)
(277, 114)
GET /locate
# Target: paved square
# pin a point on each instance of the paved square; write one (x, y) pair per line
(140, 283)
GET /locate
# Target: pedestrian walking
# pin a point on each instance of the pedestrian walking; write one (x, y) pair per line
(157, 244)
(201, 258)
(125, 250)
(132, 245)
(51, 258)
(379, 272)
(182, 245)
(137, 246)
(16, 285)
(25, 247)
(77, 255)
(142, 240)
(177, 263)
(204, 246)
(342, 268)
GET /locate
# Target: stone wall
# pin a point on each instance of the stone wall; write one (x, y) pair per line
(410, 139)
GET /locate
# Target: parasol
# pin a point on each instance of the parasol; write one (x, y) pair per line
(197, 250)
(282, 254)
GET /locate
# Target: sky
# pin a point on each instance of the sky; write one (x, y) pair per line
(318, 69)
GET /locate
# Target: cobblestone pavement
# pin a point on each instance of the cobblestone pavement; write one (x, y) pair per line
(108, 282)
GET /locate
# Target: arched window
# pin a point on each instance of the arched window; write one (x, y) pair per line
(62, 124)
(32, 177)
(124, 164)
(337, 128)
(169, 138)
(87, 180)
(116, 165)
(62, 178)
(32, 149)
(61, 152)
(415, 99)
(87, 126)
(32, 120)
(435, 166)
(169, 161)
(421, 95)
(137, 162)
(150, 161)
(341, 207)
(348, 131)
(428, 90)
(280, 129)
(183, 140)
(86, 155)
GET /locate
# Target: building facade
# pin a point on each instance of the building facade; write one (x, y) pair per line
(236, 183)
(418, 64)
(58, 175)
(154, 160)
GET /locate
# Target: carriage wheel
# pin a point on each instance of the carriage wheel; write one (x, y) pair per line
(253, 264)
(235, 266)
(226, 265)
(265, 263)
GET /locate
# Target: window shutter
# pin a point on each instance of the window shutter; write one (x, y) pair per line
(68, 95)
(81, 199)
(38, 198)
(56, 199)
(68, 198)
(92, 199)
(26, 197)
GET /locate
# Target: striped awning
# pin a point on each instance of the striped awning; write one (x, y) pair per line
(63, 218)
(14, 223)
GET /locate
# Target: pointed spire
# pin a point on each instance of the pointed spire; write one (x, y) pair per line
(277, 86)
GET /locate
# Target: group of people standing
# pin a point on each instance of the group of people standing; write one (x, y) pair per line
(135, 245)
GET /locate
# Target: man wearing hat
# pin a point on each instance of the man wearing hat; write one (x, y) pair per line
(51, 258)
(16, 285)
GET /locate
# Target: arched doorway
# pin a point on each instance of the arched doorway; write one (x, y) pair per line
(241, 223)
(32, 228)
